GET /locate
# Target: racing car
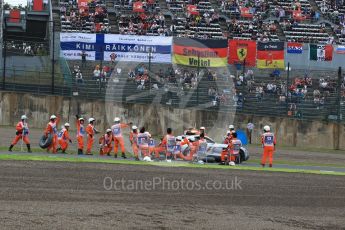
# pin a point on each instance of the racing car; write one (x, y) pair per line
(214, 149)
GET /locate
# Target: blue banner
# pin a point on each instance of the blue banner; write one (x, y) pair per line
(126, 47)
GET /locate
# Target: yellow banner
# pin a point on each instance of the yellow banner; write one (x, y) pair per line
(204, 62)
(273, 64)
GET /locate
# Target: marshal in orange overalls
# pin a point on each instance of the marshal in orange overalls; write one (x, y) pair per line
(268, 141)
(80, 134)
(52, 130)
(64, 139)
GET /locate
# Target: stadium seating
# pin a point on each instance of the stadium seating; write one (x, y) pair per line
(92, 18)
(306, 33)
(202, 22)
(267, 20)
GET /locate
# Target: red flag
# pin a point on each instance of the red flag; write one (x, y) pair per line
(241, 51)
(14, 16)
(82, 3)
(37, 5)
(192, 9)
(245, 12)
(138, 7)
(297, 15)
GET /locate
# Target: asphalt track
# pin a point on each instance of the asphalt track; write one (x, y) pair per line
(51, 195)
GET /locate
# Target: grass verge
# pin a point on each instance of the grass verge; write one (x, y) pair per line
(66, 158)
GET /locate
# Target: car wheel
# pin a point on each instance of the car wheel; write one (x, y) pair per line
(210, 160)
(241, 158)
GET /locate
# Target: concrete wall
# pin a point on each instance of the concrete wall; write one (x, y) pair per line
(157, 118)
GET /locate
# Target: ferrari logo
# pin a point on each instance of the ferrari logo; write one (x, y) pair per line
(242, 53)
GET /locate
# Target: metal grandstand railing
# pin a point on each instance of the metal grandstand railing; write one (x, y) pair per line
(35, 82)
(330, 107)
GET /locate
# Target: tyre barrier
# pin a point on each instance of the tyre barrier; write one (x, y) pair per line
(45, 141)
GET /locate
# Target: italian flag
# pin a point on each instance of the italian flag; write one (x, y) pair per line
(321, 52)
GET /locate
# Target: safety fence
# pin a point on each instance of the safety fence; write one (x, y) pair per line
(323, 100)
(328, 106)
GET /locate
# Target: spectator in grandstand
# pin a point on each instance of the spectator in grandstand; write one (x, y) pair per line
(118, 71)
(96, 73)
(131, 74)
(28, 50)
(271, 88)
(323, 83)
(83, 59)
(113, 57)
(76, 69)
(79, 77)
(259, 92)
(194, 82)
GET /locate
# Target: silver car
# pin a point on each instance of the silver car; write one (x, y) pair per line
(214, 149)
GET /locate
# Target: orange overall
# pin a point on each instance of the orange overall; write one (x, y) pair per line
(22, 133)
(64, 138)
(185, 141)
(118, 138)
(268, 141)
(162, 147)
(52, 129)
(80, 135)
(90, 130)
(133, 137)
(105, 142)
(233, 150)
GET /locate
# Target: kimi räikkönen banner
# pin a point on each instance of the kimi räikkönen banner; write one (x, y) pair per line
(202, 53)
(270, 55)
(242, 51)
(130, 48)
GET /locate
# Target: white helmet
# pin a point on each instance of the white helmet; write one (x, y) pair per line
(147, 159)
(81, 119)
(108, 130)
(231, 127)
(231, 163)
(202, 128)
(134, 127)
(267, 128)
(67, 125)
(52, 117)
(116, 119)
(24, 117)
(91, 119)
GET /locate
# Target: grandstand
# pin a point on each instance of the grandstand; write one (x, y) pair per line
(300, 93)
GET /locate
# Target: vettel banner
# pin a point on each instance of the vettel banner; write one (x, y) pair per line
(203, 53)
(270, 55)
(242, 51)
